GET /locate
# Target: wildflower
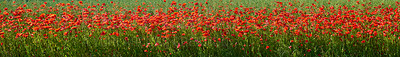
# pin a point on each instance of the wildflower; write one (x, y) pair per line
(306, 41)
(103, 33)
(199, 45)
(73, 27)
(80, 2)
(363, 41)
(55, 35)
(126, 38)
(179, 45)
(173, 3)
(219, 39)
(196, 3)
(183, 34)
(65, 33)
(5, 13)
(156, 44)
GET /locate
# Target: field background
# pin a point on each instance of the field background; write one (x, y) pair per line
(85, 41)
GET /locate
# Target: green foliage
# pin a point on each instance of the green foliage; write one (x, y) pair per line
(85, 41)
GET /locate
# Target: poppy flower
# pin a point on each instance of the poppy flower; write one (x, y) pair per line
(5, 13)
(156, 44)
(126, 38)
(65, 33)
(183, 34)
(199, 45)
(55, 35)
(179, 45)
(80, 2)
(173, 3)
(363, 41)
(103, 33)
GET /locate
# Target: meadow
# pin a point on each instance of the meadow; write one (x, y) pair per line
(199, 28)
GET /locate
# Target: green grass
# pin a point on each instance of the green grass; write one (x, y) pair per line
(78, 42)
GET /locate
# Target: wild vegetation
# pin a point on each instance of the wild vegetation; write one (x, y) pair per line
(199, 28)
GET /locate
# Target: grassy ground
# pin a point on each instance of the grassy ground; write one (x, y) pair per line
(200, 28)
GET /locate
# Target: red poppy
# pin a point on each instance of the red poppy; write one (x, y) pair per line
(199, 45)
(183, 34)
(103, 33)
(173, 3)
(179, 45)
(55, 35)
(126, 38)
(5, 13)
(156, 44)
(65, 33)
(73, 27)
(80, 2)
(363, 41)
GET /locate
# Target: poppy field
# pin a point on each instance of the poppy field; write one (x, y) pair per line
(199, 28)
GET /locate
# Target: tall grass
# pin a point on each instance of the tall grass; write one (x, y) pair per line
(135, 39)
